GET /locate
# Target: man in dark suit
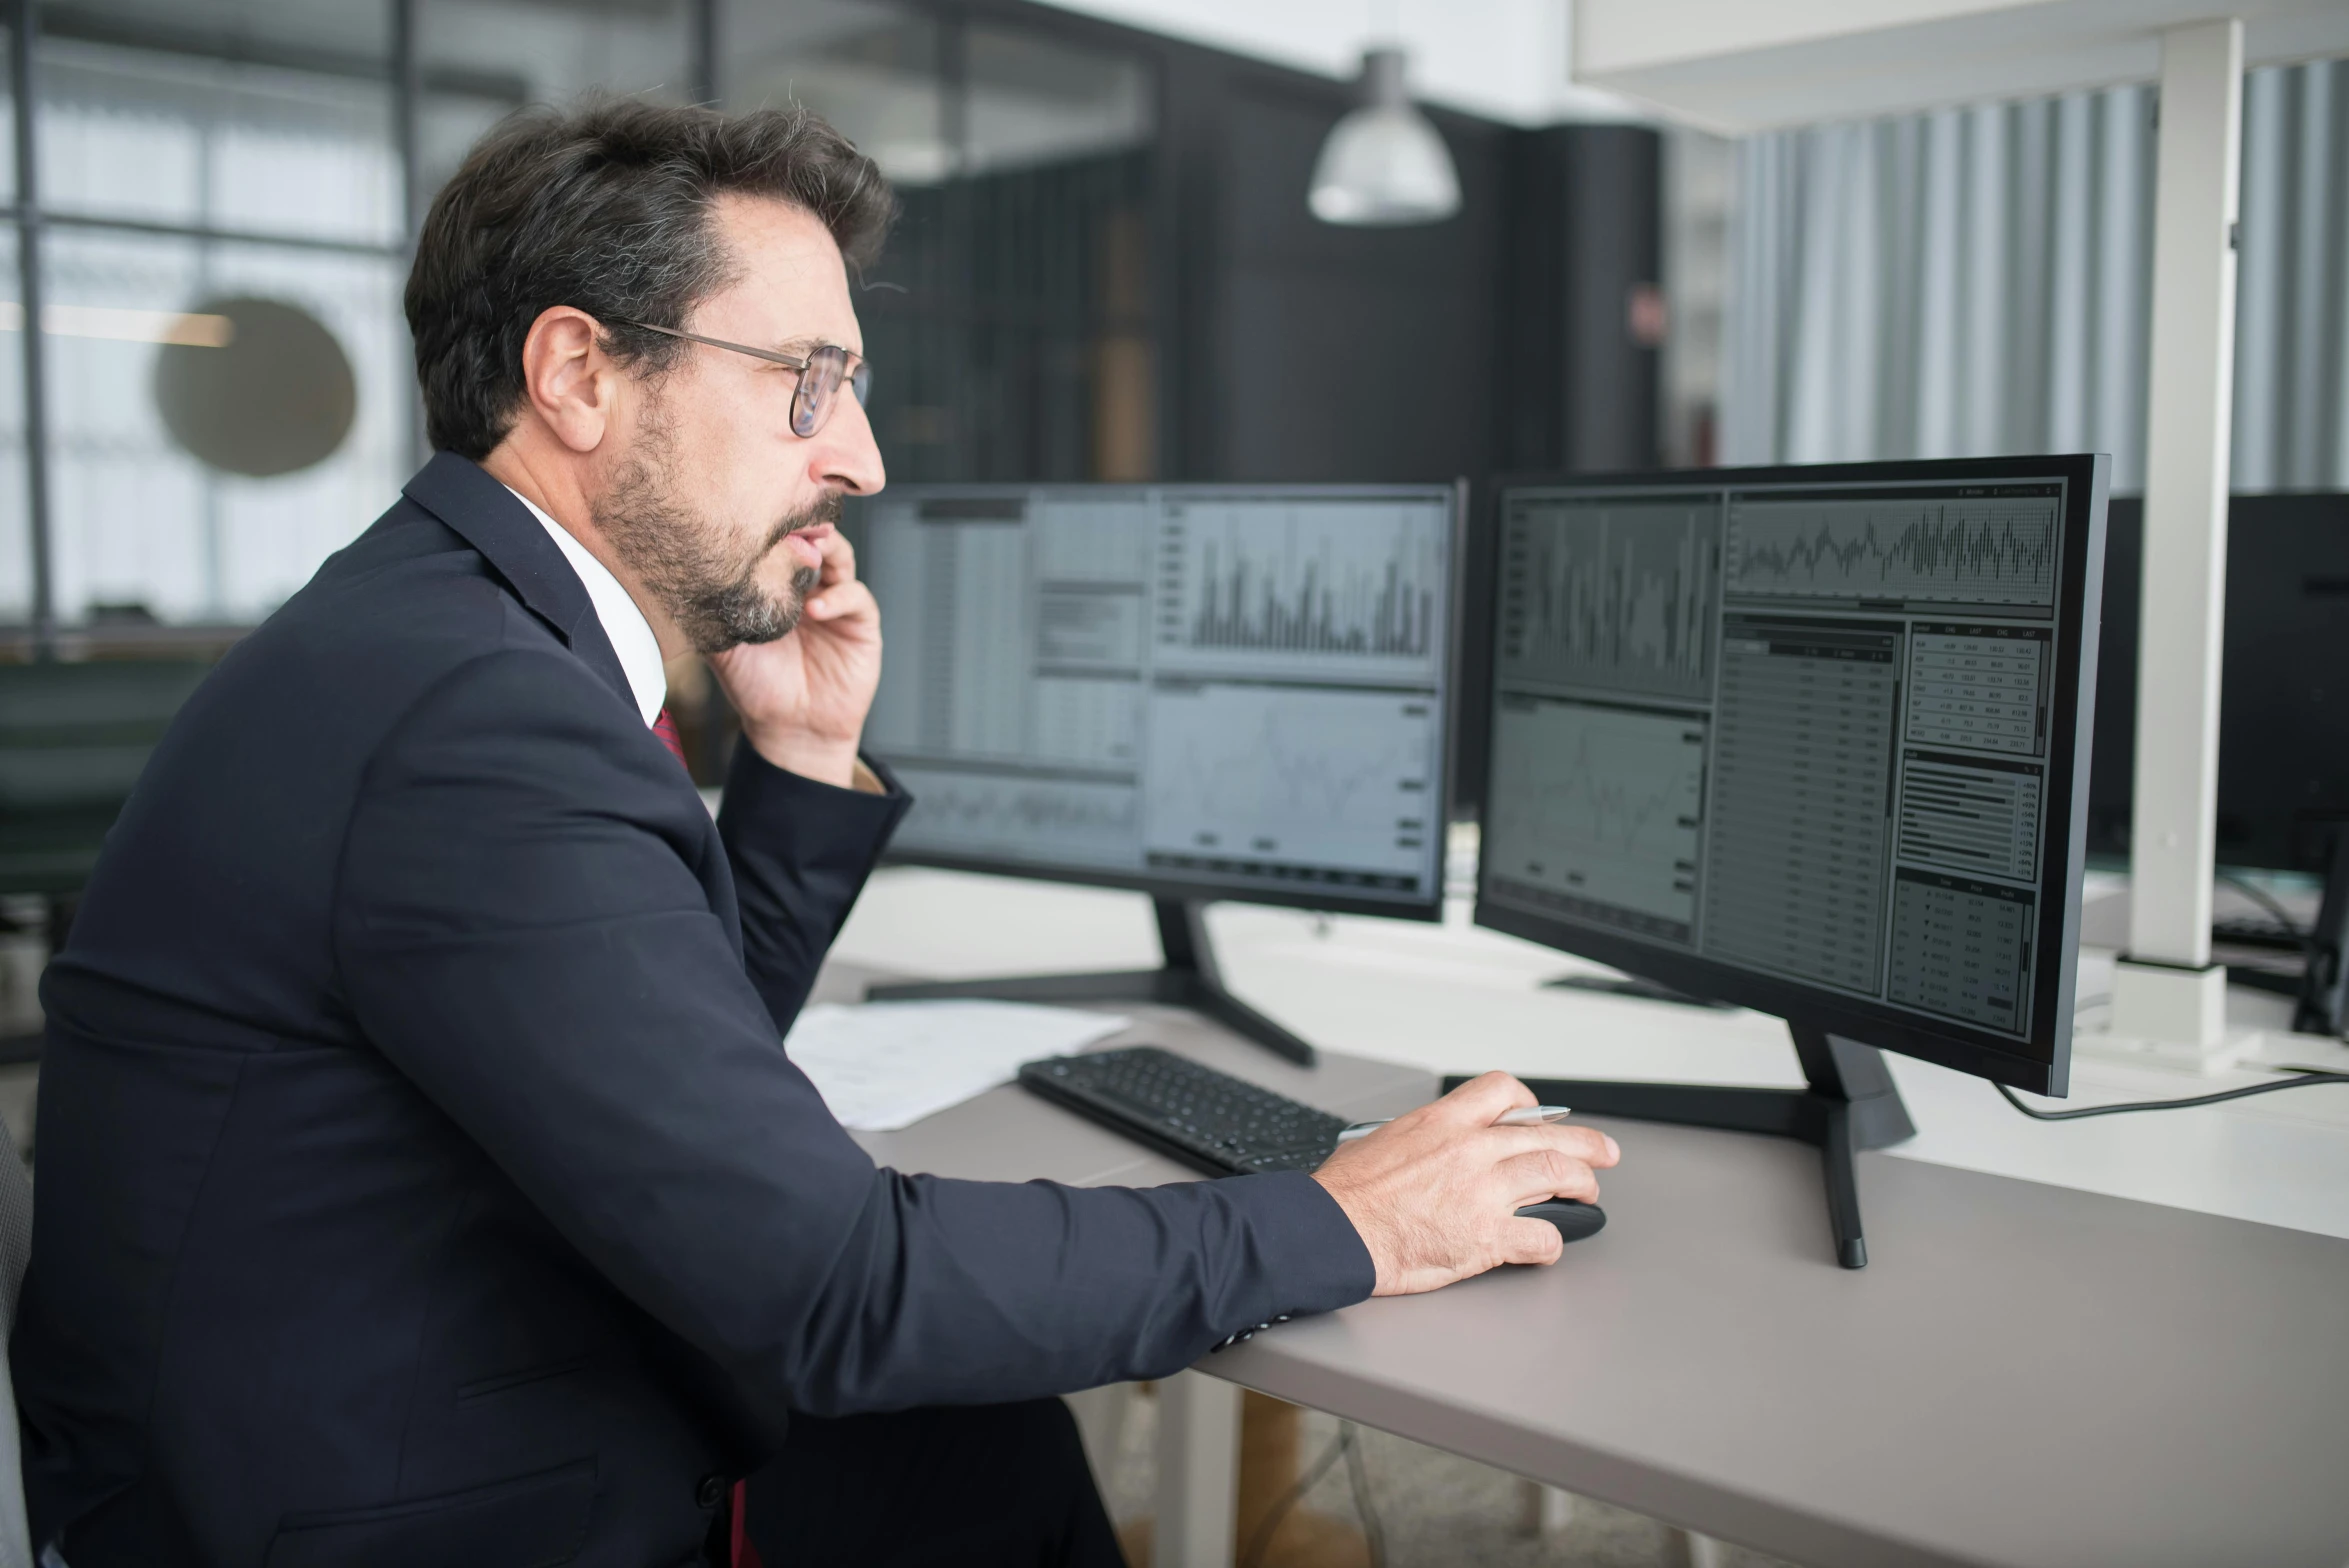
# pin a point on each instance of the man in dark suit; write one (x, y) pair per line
(423, 1180)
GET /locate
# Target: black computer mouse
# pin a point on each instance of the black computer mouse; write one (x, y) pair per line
(1574, 1220)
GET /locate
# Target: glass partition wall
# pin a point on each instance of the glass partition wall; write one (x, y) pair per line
(205, 382)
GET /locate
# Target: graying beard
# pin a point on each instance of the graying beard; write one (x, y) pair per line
(662, 544)
(739, 612)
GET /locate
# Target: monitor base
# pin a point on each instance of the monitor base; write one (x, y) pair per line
(1851, 1104)
(1187, 979)
(1633, 986)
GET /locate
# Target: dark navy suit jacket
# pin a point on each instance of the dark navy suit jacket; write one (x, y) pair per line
(422, 1178)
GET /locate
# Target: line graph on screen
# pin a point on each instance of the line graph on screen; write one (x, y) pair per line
(1990, 551)
(1326, 778)
(1602, 804)
(1055, 819)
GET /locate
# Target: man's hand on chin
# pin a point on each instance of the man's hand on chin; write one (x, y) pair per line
(803, 697)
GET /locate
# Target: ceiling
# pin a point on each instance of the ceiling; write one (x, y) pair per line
(1738, 65)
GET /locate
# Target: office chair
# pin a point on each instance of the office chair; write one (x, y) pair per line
(16, 1249)
(73, 739)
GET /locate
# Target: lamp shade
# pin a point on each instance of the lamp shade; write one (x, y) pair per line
(1384, 164)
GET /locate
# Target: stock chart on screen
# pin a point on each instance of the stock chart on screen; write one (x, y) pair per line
(1802, 729)
(1987, 550)
(1620, 595)
(1209, 685)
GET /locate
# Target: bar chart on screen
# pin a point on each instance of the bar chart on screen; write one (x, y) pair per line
(1350, 593)
(1611, 596)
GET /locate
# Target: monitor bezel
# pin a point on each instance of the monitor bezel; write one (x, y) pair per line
(1430, 910)
(2087, 479)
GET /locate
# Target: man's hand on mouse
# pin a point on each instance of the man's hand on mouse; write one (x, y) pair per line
(1435, 1193)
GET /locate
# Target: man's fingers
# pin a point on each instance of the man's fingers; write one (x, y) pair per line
(1531, 1241)
(1482, 1099)
(841, 601)
(1587, 1144)
(839, 555)
(1545, 1174)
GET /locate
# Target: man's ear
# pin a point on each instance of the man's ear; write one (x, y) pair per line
(568, 380)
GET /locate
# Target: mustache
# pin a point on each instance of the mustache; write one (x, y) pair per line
(823, 512)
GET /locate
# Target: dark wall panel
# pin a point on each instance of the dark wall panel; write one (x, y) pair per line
(1349, 378)
(1585, 240)
(1341, 353)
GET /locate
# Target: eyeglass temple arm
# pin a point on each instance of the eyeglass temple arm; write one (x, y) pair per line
(771, 356)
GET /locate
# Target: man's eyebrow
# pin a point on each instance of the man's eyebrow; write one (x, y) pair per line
(801, 347)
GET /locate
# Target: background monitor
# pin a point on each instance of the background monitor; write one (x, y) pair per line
(2284, 689)
(1198, 691)
(1812, 740)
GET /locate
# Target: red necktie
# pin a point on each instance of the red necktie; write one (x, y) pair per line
(666, 728)
(741, 1554)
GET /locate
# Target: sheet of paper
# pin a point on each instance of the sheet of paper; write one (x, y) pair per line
(885, 1065)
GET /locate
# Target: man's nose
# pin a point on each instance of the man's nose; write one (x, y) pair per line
(845, 455)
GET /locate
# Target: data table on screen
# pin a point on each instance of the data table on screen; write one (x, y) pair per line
(1794, 880)
(1979, 686)
(1798, 728)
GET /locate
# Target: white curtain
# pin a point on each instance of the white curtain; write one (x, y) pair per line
(1975, 281)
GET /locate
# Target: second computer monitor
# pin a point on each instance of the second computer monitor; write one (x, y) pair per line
(1809, 740)
(1198, 691)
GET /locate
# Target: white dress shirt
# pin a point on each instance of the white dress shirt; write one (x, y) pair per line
(630, 634)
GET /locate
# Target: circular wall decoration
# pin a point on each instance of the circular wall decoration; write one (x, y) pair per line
(272, 393)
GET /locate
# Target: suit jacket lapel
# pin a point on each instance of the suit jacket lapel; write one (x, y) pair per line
(492, 520)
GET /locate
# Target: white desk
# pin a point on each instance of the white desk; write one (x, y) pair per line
(1456, 999)
(1842, 1435)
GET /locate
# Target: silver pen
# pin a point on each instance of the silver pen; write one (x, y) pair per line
(1529, 1116)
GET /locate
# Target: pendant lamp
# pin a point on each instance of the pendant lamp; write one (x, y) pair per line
(1384, 164)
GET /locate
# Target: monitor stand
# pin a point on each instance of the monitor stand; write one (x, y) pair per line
(1851, 1104)
(1187, 978)
(2324, 984)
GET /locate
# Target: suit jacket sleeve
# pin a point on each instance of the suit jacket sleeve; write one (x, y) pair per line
(800, 851)
(521, 933)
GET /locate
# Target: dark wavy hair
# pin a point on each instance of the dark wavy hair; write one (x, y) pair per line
(605, 207)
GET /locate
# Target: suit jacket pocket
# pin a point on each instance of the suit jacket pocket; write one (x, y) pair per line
(534, 1522)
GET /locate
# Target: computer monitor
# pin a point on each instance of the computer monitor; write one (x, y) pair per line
(2283, 771)
(1809, 740)
(1196, 691)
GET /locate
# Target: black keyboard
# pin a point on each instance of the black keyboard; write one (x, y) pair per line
(2257, 931)
(1210, 1121)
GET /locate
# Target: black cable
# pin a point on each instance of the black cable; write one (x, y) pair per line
(2308, 1076)
(2267, 901)
(1254, 1555)
(1358, 1474)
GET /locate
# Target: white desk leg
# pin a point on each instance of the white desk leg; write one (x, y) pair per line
(1198, 1472)
(1704, 1551)
(1543, 1511)
(1101, 1425)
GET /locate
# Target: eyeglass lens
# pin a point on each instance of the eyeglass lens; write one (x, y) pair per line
(820, 382)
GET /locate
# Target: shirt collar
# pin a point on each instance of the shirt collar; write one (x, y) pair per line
(631, 635)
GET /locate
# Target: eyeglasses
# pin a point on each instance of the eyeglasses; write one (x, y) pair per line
(821, 371)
